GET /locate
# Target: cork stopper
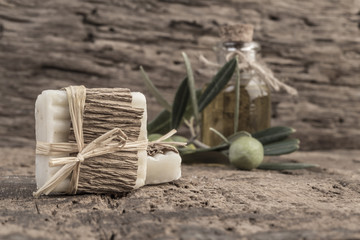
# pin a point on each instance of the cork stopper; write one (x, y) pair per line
(237, 33)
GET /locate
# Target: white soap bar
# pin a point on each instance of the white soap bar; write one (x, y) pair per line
(53, 125)
(163, 168)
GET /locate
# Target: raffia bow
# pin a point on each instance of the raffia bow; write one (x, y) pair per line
(110, 142)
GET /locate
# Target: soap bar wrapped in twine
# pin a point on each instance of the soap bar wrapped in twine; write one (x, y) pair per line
(111, 142)
(244, 33)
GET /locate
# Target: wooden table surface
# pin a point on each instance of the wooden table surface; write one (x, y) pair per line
(208, 202)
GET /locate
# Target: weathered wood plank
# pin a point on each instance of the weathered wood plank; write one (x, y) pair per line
(52, 44)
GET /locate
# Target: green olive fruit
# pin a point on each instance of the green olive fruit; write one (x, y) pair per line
(177, 138)
(191, 147)
(246, 153)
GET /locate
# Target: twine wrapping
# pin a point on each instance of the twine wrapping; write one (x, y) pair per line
(158, 145)
(110, 142)
(264, 72)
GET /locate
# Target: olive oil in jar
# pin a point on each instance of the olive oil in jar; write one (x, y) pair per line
(254, 112)
(255, 101)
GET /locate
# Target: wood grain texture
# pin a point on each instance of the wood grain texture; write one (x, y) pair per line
(106, 109)
(208, 202)
(52, 44)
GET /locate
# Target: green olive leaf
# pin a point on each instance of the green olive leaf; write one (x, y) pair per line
(189, 110)
(192, 89)
(218, 148)
(161, 123)
(180, 103)
(217, 84)
(273, 134)
(237, 96)
(151, 87)
(282, 147)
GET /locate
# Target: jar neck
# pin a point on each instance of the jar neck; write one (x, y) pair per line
(250, 49)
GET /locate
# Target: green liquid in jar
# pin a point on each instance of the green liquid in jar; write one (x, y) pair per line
(254, 112)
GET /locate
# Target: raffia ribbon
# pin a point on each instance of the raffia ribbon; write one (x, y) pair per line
(110, 142)
(264, 72)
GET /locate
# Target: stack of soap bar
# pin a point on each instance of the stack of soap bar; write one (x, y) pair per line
(53, 125)
(163, 168)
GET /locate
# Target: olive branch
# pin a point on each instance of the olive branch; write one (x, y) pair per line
(186, 109)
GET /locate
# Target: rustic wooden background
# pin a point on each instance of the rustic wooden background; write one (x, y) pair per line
(315, 45)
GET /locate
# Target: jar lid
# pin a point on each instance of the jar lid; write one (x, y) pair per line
(237, 33)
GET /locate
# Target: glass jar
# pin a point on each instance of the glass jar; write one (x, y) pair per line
(255, 102)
